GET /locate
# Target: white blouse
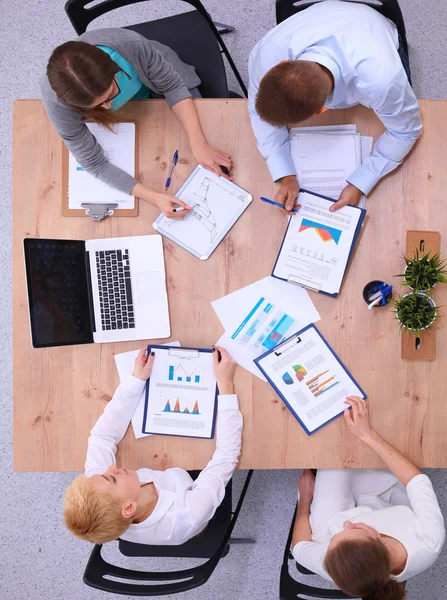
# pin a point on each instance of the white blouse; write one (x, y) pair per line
(419, 528)
(184, 507)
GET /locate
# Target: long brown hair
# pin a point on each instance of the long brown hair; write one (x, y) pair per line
(363, 570)
(79, 73)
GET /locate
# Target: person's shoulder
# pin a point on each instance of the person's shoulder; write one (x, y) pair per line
(110, 35)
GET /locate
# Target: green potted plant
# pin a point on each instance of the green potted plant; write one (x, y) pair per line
(422, 273)
(415, 312)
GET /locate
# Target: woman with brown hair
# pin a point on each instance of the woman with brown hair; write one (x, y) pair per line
(101, 71)
(368, 530)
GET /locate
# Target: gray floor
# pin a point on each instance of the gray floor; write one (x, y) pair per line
(38, 558)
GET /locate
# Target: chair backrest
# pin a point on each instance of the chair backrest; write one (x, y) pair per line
(389, 8)
(81, 17)
(98, 572)
(197, 45)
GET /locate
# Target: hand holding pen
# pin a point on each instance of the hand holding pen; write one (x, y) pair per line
(169, 204)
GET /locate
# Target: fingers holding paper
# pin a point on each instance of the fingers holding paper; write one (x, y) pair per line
(143, 364)
(349, 195)
(224, 368)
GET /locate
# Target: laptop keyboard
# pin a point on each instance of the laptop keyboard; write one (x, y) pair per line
(115, 291)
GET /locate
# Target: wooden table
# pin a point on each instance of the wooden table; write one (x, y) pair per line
(60, 392)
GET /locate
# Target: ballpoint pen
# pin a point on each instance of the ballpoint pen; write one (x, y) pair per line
(174, 162)
(294, 210)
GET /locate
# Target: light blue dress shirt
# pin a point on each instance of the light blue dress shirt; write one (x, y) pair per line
(359, 46)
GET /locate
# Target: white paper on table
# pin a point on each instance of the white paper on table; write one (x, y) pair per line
(234, 308)
(311, 378)
(317, 244)
(366, 143)
(323, 161)
(216, 204)
(119, 149)
(124, 364)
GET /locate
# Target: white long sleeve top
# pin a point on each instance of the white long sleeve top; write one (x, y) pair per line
(184, 507)
(420, 529)
(359, 47)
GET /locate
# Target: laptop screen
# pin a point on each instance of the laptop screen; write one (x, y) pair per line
(58, 294)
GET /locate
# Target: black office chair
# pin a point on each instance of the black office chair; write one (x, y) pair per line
(212, 544)
(193, 35)
(292, 589)
(389, 8)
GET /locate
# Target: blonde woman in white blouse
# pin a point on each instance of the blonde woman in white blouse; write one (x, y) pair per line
(148, 506)
(368, 530)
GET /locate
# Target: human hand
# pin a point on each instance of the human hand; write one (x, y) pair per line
(166, 203)
(357, 419)
(142, 368)
(306, 486)
(224, 367)
(211, 158)
(287, 194)
(349, 195)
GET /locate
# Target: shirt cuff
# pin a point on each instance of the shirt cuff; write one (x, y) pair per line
(177, 95)
(363, 179)
(280, 165)
(416, 479)
(227, 402)
(133, 384)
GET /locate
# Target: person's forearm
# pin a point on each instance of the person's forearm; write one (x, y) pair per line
(186, 113)
(145, 193)
(396, 462)
(301, 529)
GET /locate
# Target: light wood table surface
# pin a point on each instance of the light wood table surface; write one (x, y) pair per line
(60, 392)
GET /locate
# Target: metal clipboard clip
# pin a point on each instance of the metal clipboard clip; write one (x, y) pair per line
(285, 346)
(305, 284)
(179, 352)
(98, 212)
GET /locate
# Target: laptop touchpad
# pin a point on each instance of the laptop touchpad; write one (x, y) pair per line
(151, 287)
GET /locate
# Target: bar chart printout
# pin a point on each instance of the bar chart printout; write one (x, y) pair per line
(181, 398)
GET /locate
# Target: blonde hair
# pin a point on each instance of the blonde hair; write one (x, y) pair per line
(91, 515)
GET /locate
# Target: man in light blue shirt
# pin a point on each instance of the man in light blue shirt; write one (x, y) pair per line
(331, 55)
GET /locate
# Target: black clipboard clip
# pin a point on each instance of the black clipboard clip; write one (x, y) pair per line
(305, 284)
(287, 345)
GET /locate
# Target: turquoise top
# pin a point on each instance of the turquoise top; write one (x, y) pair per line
(131, 88)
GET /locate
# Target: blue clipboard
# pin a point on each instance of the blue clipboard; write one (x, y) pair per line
(146, 395)
(296, 335)
(354, 240)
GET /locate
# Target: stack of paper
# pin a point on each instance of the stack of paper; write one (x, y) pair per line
(258, 317)
(325, 157)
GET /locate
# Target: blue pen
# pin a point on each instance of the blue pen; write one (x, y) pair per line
(174, 162)
(295, 210)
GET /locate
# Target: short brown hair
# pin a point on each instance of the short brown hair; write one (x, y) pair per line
(79, 73)
(93, 516)
(362, 569)
(291, 92)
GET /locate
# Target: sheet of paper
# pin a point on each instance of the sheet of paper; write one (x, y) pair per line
(311, 379)
(124, 364)
(182, 394)
(119, 149)
(323, 162)
(216, 205)
(257, 317)
(366, 143)
(317, 244)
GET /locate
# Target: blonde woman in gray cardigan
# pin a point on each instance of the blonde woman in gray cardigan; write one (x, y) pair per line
(93, 77)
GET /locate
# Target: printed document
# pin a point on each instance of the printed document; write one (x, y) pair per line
(181, 394)
(119, 149)
(261, 315)
(310, 378)
(317, 244)
(124, 365)
(216, 204)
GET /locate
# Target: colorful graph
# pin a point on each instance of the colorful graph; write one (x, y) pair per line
(300, 372)
(287, 378)
(321, 383)
(188, 377)
(177, 409)
(325, 232)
